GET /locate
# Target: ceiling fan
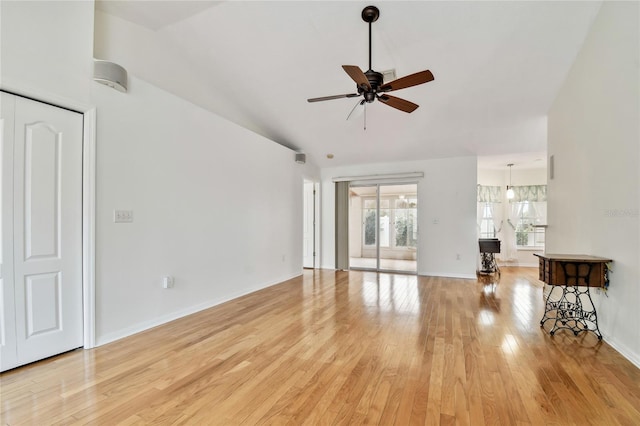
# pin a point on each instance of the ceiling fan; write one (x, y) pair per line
(370, 84)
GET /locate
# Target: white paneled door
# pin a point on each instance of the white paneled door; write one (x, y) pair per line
(41, 231)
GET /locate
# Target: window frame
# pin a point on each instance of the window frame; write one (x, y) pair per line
(529, 225)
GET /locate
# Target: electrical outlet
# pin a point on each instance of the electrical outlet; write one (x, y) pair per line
(123, 216)
(167, 282)
(458, 256)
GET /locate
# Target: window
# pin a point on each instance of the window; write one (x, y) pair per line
(489, 211)
(531, 216)
(487, 223)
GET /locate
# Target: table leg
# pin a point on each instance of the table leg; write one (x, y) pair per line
(570, 313)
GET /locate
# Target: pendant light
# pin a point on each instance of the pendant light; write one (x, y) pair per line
(510, 192)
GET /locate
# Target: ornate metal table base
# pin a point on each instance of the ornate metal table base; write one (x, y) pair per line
(490, 272)
(570, 312)
(489, 264)
(573, 275)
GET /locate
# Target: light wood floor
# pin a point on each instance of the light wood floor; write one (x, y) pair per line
(342, 348)
(385, 264)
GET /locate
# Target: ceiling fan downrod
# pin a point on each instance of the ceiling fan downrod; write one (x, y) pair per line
(370, 14)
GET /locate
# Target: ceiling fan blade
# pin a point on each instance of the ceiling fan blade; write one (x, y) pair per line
(328, 98)
(357, 75)
(408, 81)
(397, 103)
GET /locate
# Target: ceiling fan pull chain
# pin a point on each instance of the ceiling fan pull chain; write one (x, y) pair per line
(365, 116)
(353, 109)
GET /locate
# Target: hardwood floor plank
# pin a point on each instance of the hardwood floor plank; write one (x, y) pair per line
(341, 348)
(433, 398)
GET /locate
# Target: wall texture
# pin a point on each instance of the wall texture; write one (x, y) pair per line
(594, 135)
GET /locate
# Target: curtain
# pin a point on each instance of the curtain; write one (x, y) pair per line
(490, 197)
(535, 193)
(489, 194)
(498, 223)
(511, 252)
(342, 225)
(539, 210)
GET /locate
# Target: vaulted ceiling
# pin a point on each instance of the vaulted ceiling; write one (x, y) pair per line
(497, 65)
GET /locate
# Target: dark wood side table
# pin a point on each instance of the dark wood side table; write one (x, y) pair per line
(571, 274)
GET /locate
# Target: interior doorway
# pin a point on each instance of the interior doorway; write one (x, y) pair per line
(383, 227)
(310, 224)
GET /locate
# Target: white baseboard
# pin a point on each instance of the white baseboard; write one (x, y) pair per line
(448, 275)
(625, 352)
(515, 264)
(172, 316)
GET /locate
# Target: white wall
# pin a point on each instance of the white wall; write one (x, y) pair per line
(446, 195)
(215, 205)
(46, 47)
(493, 177)
(518, 177)
(594, 136)
(162, 64)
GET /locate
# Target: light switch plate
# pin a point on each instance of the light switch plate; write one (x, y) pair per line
(167, 281)
(123, 216)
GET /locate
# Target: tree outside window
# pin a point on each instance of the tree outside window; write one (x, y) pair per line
(401, 212)
(531, 214)
(406, 222)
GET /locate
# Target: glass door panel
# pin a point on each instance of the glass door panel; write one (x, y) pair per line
(400, 252)
(383, 229)
(363, 227)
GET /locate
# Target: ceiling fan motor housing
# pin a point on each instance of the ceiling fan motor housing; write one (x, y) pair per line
(375, 81)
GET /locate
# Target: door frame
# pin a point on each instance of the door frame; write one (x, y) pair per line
(88, 198)
(377, 185)
(316, 219)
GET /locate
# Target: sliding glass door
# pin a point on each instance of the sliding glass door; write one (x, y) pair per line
(383, 229)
